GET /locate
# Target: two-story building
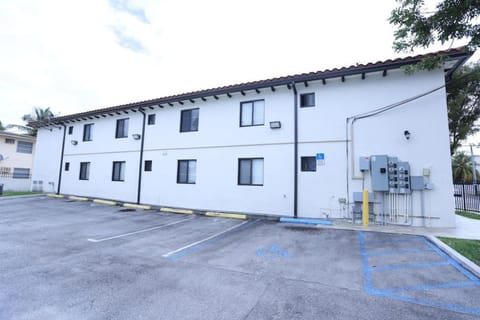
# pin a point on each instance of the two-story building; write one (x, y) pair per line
(301, 145)
(16, 160)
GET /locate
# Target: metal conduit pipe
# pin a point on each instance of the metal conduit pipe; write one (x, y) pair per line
(61, 158)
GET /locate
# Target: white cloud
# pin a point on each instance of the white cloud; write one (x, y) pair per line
(74, 56)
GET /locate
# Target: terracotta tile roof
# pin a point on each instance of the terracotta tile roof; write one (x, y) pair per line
(457, 53)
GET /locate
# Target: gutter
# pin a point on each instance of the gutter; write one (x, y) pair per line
(142, 143)
(61, 159)
(295, 151)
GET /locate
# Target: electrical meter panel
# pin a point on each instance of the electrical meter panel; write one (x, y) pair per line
(390, 174)
(364, 164)
(379, 166)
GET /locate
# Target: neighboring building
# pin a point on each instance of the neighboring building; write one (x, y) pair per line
(16, 159)
(290, 146)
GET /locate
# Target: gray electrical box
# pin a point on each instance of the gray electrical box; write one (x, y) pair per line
(379, 166)
(417, 183)
(364, 164)
(358, 197)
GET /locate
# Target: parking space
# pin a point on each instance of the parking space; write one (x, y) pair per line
(80, 260)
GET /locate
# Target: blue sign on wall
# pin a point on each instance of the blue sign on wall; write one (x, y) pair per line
(320, 156)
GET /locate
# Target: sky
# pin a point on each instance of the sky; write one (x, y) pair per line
(74, 56)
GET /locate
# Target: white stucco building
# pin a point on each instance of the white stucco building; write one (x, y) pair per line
(288, 146)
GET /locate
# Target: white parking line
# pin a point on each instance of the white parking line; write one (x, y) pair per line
(140, 231)
(193, 244)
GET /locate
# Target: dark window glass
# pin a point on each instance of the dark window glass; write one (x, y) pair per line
(189, 120)
(307, 100)
(187, 170)
(250, 171)
(67, 166)
(9, 141)
(309, 163)
(21, 173)
(84, 170)
(118, 171)
(88, 132)
(24, 147)
(122, 128)
(148, 165)
(252, 113)
(70, 130)
(151, 119)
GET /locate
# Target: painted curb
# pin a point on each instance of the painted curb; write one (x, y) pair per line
(137, 206)
(77, 198)
(184, 211)
(466, 263)
(227, 215)
(99, 201)
(52, 195)
(22, 196)
(306, 221)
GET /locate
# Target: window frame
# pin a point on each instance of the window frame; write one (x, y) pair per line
(148, 165)
(151, 119)
(182, 129)
(302, 99)
(86, 172)
(307, 168)
(117, 174)
(9, 141)
(88, 132)
(19, 143)
(123, 133)
(253, 113)
(187, 174)
(21, 175)
(251, 172)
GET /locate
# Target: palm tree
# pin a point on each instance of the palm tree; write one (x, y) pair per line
(38, 114)
(462, 168)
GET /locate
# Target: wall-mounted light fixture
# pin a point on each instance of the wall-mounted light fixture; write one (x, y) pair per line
(74, 142)
(275, 124)
(136, 136)
(407, 134)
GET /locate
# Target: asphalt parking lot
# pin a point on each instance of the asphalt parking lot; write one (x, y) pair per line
(62, 259)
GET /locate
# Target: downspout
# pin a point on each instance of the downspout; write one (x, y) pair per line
(141, 157)
(61, 158)
(295, 151)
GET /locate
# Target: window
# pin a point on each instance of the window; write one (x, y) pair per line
(21, 173)
(309, 163)
(250, 172)
(67, 166)
(118, 171)
(148, 165)
(5, 172)
(70, 130)
(189, 120)
(9, 141)
(84, 170)
(88, 132)
(252, 113)
(151, 119)
(24, 147)
(307, 100)
(122, 128)
(186, 171)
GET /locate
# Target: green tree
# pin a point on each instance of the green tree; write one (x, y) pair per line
(463, 102)
(451, 20)
(1, 126)
(462, 168)
(38, 114)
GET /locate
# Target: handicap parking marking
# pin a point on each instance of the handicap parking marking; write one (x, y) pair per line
(140, 231)
(273, 252)
(206, 242)
(394, 293)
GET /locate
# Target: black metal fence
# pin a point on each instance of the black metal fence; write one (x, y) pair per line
(467, 197)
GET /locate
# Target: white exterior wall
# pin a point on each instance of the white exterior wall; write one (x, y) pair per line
(46, 162)
(220, 142)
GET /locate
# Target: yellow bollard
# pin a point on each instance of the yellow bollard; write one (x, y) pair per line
(365, 208)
